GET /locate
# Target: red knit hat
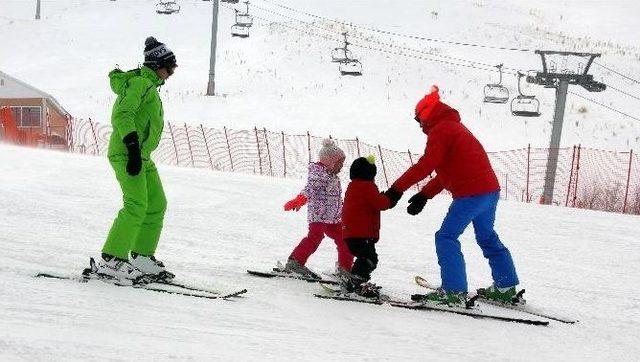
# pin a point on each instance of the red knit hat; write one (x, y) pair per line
(427, 104)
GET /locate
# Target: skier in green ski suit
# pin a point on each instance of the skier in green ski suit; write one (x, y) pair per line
(137, 120)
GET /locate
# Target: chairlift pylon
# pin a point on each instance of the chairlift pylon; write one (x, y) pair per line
(167, 7)
(524, 105)
(496, 92)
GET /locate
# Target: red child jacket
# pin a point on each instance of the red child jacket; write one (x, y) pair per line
(461, 163)
(361, 210)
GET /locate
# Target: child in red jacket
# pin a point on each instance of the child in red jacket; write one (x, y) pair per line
(361, 225)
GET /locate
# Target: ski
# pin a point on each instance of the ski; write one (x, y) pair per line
(350, 298)
(204, 293)
(279, 274)
(470, 311)
(518, 307)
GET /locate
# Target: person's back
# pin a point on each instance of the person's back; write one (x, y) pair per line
(465, 168)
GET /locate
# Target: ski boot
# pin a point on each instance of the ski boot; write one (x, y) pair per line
(151, 267)
(113, 269)
(293, 266)
(354, 284)
(442, 297)
(509, 295)
(368, 290)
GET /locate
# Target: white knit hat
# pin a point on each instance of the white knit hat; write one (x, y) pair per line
(330, 153)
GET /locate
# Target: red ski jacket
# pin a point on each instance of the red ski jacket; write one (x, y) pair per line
(461, 163)
(361, 210)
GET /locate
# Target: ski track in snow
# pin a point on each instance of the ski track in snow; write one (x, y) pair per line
(57, 208)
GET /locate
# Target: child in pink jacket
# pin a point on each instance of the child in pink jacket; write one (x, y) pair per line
(323, 194)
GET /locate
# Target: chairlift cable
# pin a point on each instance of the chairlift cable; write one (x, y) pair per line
(390, 45)
(616, 72)
(604, 105)
(623, 92)
(435, 40)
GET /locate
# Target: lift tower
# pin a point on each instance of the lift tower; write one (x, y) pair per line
(559, 70)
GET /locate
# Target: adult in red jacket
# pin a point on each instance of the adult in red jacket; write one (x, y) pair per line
(463, 168)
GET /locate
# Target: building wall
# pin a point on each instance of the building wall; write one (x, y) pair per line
(58, 124)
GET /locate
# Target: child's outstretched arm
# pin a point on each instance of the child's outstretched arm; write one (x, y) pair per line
(378, 200)
(296, 203)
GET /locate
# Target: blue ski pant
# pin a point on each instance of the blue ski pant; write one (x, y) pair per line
(481, 211)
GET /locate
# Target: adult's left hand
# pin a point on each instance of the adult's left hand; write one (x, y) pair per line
(416, 203)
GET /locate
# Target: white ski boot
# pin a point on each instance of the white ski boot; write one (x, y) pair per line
(114, 269)
(150, 266)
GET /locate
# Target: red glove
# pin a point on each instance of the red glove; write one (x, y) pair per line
(296, 203)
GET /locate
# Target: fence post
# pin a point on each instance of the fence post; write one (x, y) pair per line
(258, 146)
(70, 134)
(309, 145)
(575, 190)
(175, 148)
(284, 157)
(228, 148)
(626, 193)
(95, 139)
(204, 137)
(266, 141)
(358, 146)
(528, 198)
(383, 168)
(573, 156)
(186, 131)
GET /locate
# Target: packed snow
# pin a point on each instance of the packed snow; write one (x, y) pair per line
(57, 209)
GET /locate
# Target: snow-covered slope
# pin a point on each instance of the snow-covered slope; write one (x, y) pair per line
(281, 77)
(57, 208)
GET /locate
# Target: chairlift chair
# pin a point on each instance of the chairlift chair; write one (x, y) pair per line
(524, 105)
(239, 31)
(350, 67)
(496, 93)
(244, 19)
(167, 7)
(230, 1)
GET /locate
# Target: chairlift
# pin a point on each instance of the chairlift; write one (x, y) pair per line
(167, 7)
(244, 19)
(239, 31)
(496, 93)
(350, 67)
(524, 105)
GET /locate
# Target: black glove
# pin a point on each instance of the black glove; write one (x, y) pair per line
(394, 196)
(416, 203)
(134, 165)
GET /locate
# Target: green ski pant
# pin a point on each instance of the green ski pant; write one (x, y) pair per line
(138, 225)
